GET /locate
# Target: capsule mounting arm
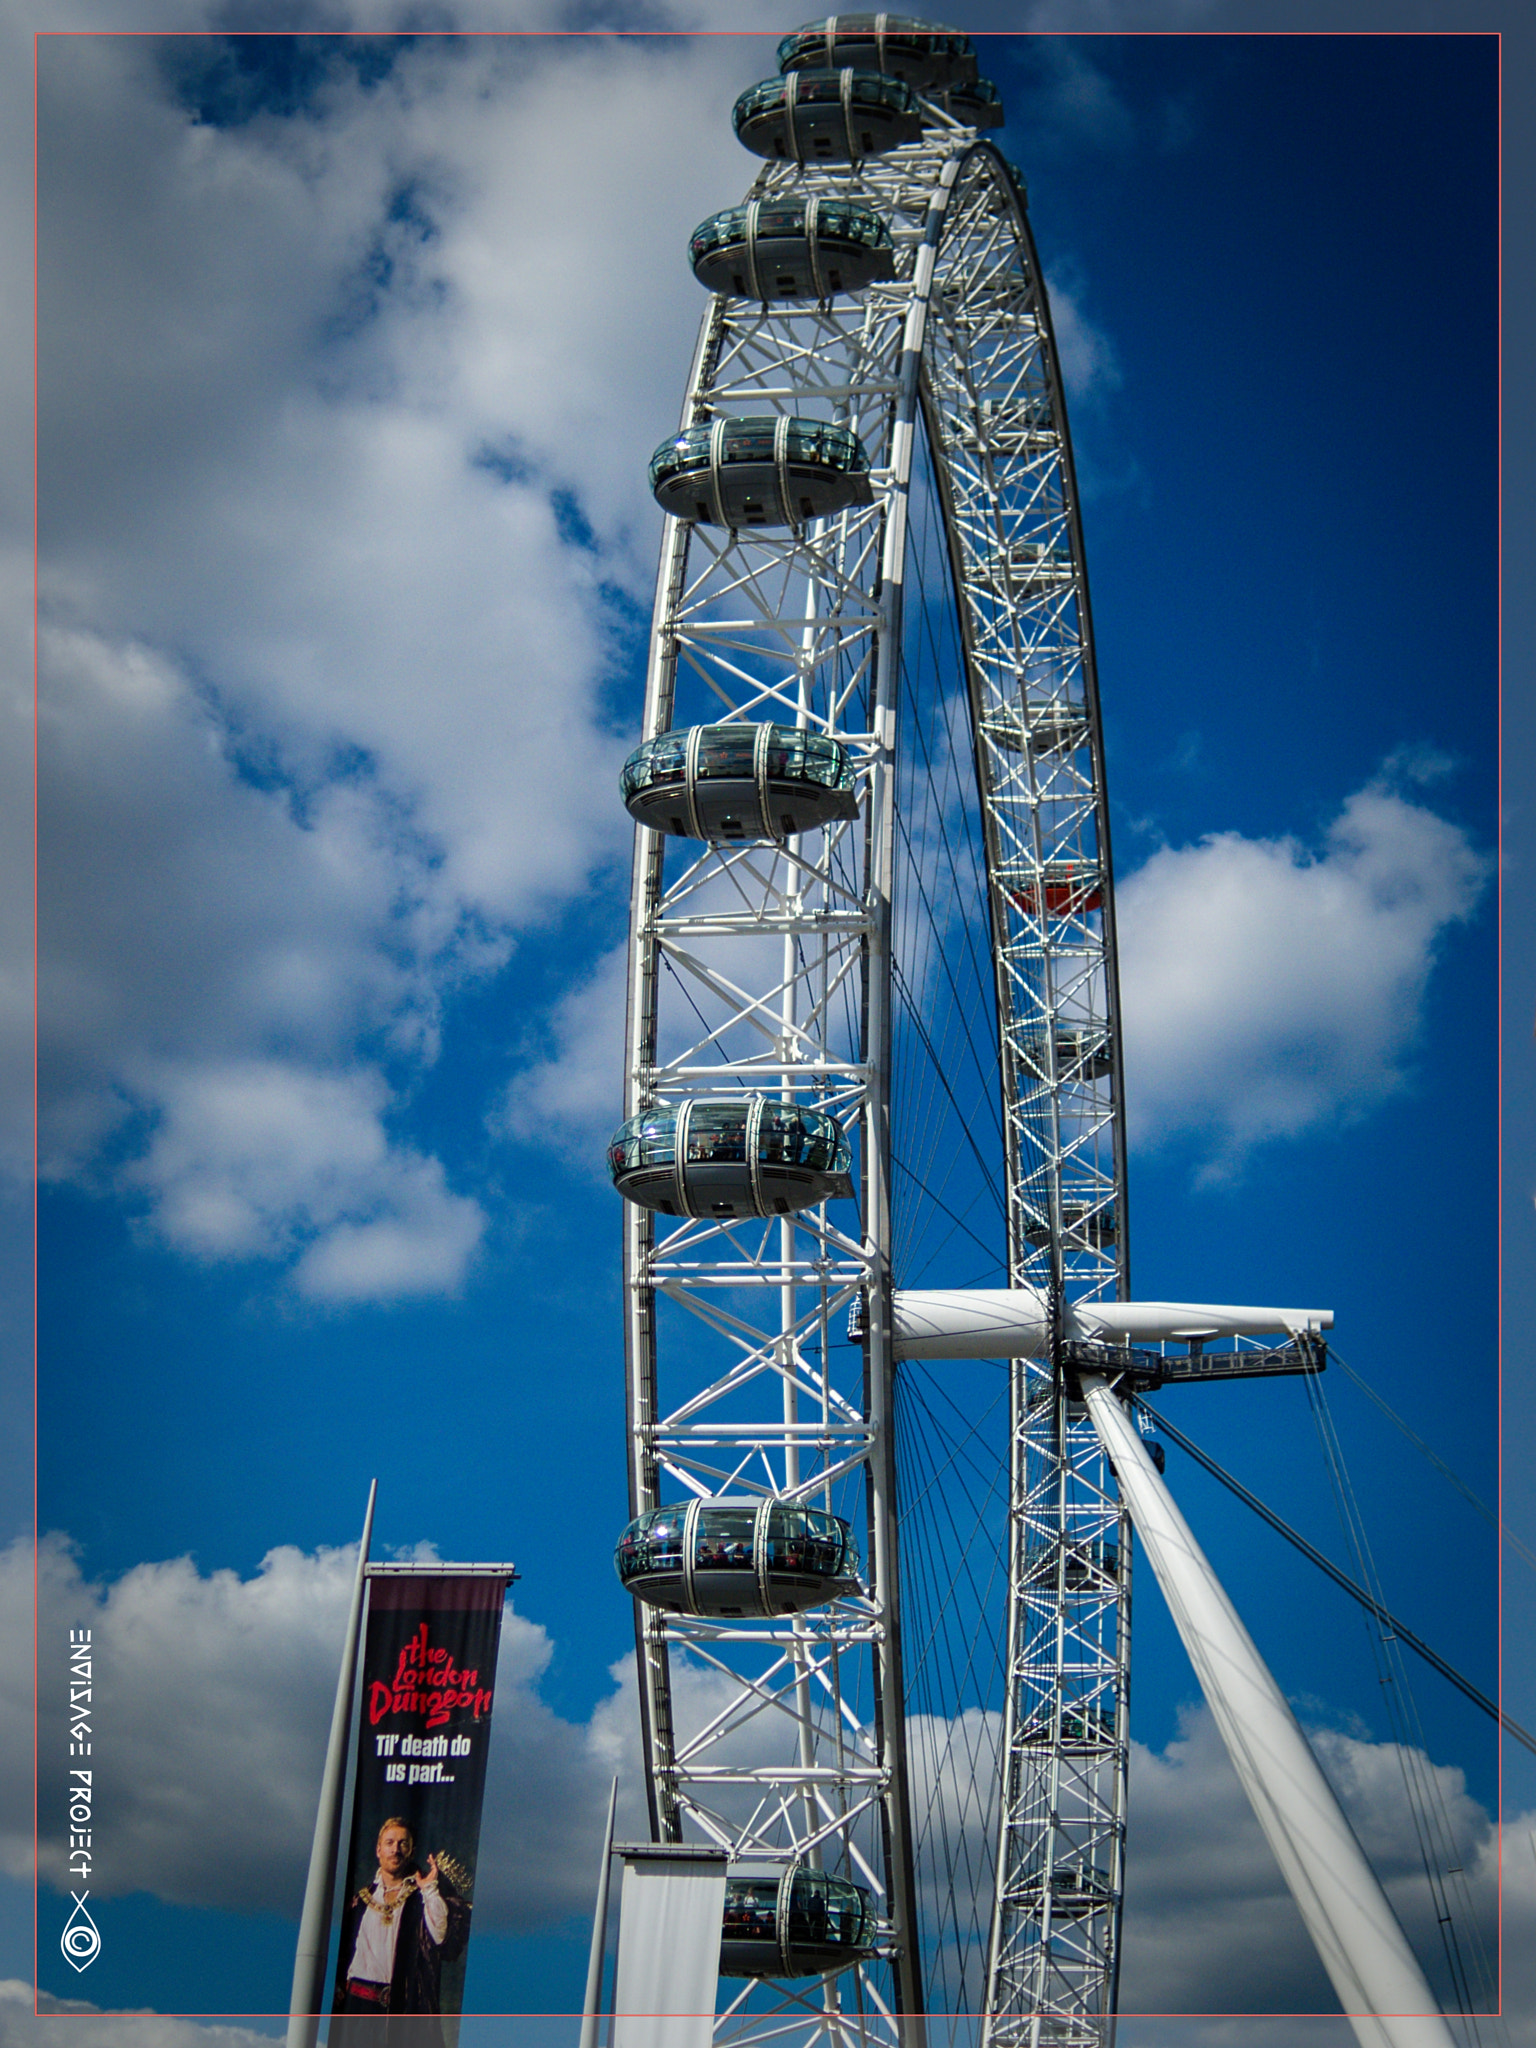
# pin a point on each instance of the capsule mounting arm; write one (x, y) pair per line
(1014, 1322)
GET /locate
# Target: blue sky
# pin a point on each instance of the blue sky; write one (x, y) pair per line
(350, 367)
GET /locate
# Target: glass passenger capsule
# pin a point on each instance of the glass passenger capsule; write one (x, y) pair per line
(738, 1156)
(1081, 1054)
(1042, 1390)
(1085, 1726)
(1052, 728)
(776, 470)
(1090, 1562)
(1079, 1220)
(793, 1921)
(1011, 426)
(1076, 1885)
(723, 782)
(978, 105)
(1034, 564)
(737, 1557)
(833, 117)
(1061, 888)
(792, 249)
(921, 53)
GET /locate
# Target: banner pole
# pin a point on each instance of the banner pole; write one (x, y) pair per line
(308, 1994)
(594, 1999)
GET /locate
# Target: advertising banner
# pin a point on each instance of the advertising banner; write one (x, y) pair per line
(428, 1669)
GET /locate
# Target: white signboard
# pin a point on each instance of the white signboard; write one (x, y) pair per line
(670, 1912)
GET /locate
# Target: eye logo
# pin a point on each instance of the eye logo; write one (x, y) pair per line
(81, 1940)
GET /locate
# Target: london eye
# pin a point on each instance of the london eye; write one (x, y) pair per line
(873, 1151)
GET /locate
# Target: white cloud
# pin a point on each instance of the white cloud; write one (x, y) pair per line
(1209, 1926)
(221, 1694)
(76, 2023)
(1088, 363)
(343, 445)
(1269, 988)
(571, 1102)
(248, 1157)
(1077, 97)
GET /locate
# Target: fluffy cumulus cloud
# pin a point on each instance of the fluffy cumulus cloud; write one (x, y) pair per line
(576, 1087)
(348, 383)
(347, 397)
(221, 1701)
(72, 2022)
(1209, 1925)
(1269, 986)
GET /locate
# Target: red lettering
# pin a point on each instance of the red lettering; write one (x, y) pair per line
(413, 1654)
(421, 1663)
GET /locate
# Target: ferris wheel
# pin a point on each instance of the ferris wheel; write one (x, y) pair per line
(873, 1101)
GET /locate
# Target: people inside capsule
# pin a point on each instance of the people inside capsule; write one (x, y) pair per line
(741, 1557)
(1085, 1562)
(1081, 1220)
(922, 53)
(827, 116)
(740, 1156)
(792, 249)
(1084, 1724)
(765, 470)
(1072, 1881)
(814, 1924)
(739, 781)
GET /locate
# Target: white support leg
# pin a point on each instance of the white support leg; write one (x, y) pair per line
(1363, 1948)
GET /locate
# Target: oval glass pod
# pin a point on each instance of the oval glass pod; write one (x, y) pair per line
(1077, 1886)
(1086, 1726)
(737, 1556)
(792, 1921)
(1084, 1566)
(725, 782)
(922, 53)
(730, 1156)
(1082, 1054)
(1060, 888)
(1078, 1219)
(827, 117)
(792, 249)
(1031, 564)
(1051, 728)
(1042, 1389)
(978, 105)
(770, 471)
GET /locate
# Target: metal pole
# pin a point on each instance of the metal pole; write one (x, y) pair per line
(308, 1994)
(1348, 1915)
(593, 2003)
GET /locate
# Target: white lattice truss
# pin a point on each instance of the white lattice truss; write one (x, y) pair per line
(770, 968)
